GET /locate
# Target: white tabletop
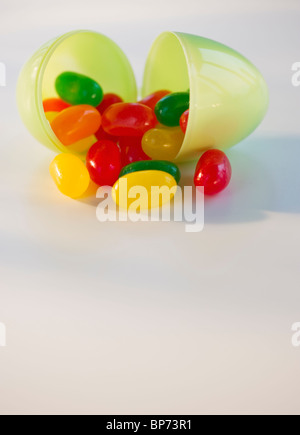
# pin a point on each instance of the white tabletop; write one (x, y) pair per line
(123, 318)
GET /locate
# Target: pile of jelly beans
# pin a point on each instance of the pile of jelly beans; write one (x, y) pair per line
(109, 139)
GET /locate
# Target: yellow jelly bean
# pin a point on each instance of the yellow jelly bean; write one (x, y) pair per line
(83, 145)
(51, 116)
(70, 175)
(162, 143)
(144, 190)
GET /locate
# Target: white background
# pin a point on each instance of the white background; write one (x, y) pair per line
(145, 318)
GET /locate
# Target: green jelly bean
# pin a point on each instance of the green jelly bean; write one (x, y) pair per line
(152, 165)
(169, 109)
(78, 89)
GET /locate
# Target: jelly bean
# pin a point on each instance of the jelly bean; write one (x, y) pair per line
(122, 194)
(169, 110)
(153, 165)
(103, 162)
(76, 123)
(153, 99)
(70, 175)
(102, 135)
(78, 89)
(128, 119)
(54, 105)
(131, 150)
(108, 100)
(213, 171)
(163, 143)
(50, 116)
(83, 145)
(184, 120)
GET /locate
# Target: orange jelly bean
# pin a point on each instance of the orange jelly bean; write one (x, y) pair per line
(55, 105)
(76, 123)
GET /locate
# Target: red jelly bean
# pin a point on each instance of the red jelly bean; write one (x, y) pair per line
(153, 99)
(131, 150)
(128, 119)
(54, 105)
(184, 120)
(102, 135)
(213, 171)
(103, 162)
(108, 100)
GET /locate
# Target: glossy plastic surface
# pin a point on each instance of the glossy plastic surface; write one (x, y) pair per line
(74, 51)
(139, 186)
(228, 95)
